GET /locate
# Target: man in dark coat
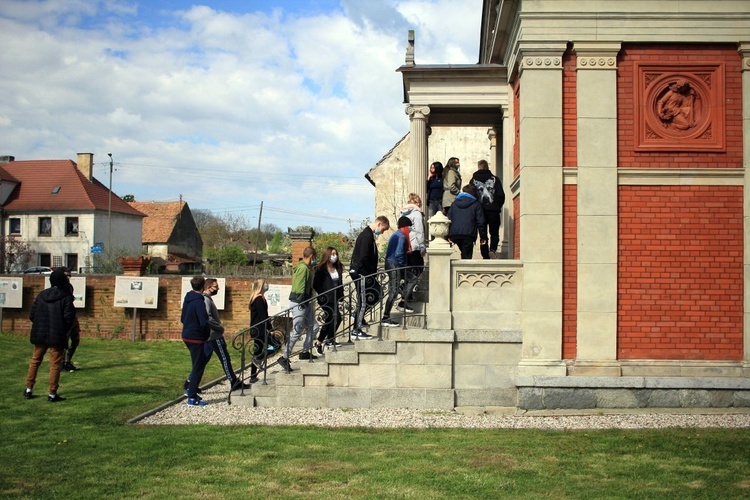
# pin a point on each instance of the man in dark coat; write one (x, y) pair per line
(492, 197)
(195, 334)
(467, 218)
(362, 269)
(52, 316)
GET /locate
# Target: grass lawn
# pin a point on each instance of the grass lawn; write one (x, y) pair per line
(81, 448)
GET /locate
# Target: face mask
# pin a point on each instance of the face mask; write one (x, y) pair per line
(378, 232)
(214, 292)
(313, 262)
(265, 287)
(334, 259)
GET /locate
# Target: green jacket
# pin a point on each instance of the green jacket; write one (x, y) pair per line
(302, 279)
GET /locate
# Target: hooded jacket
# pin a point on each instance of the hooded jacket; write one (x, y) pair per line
(489, 189)
(416, 231)
(52, 315)
(467, 218)
(365, 255)
(194, 318)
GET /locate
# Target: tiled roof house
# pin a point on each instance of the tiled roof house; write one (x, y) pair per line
(62, 211)
(170, 235)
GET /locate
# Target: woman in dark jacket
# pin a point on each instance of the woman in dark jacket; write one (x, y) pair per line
(327, 282)
(435, 189)
(258, 324)
(52, 316)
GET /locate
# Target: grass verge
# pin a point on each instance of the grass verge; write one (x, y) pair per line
(81, 448)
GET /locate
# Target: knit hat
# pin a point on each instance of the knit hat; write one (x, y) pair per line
(58, 277)
(404, 221)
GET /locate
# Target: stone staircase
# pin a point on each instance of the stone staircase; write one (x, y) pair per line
(408, 368)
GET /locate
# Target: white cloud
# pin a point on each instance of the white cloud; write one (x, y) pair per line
(227, 109)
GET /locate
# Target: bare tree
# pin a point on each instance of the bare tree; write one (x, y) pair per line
(17, 254)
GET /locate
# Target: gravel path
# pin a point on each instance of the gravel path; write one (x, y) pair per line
(218, 412)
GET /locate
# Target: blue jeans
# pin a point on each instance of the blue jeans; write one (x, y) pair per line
(303, 321)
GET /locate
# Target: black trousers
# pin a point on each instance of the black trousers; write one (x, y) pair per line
(493, 225)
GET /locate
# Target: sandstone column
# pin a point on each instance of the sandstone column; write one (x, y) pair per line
(541, 205)
(418, 167)
(596, 81)
(745, 53)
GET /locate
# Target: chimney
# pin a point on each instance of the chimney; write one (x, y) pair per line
(7, 159)
(86, 164)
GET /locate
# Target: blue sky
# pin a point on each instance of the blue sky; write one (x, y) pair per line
(225, 103)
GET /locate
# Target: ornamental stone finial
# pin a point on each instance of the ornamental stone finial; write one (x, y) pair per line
(439, 226)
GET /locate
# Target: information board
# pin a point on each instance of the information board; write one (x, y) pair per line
(277, 297)
(219, 298)
(11, 292)
(136, 291)
(79, 290)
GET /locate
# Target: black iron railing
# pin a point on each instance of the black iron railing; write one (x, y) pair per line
(343, 312)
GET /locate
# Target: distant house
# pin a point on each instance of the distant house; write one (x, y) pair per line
(59, 209)
(170, 236)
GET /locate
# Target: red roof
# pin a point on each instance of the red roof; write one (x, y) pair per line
(39, 178)
(160, 220)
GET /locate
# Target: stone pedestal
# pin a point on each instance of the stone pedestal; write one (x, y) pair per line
(440, 254)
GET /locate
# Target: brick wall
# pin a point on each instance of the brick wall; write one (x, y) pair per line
(680, 273)
(674, 55)
(101, 318)
(570, 270)
(570, 111)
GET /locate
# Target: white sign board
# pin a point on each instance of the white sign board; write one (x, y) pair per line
(277, 297)
(11, 292)
(136, 291)
(79, 290)
(218, 298)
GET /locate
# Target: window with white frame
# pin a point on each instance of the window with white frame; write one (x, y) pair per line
(71, 226)
(14, 225)
(45, 226)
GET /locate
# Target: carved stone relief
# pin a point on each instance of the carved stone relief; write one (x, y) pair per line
(483, 279)
(679, 108)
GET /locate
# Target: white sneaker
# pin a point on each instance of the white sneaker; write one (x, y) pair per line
(389, 322)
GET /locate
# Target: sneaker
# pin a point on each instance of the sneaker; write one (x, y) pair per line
(27, 394)
(69, 367)
(254, 379)
(239, 384)
(363, 336)
(307, 355)
(404, 307)
(389, 322)
(284, 363)
(54, 398)
(319, 348)
(332, 343)
(196, 397)
(196, 402)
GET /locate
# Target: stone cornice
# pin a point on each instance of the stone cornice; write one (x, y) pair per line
(670, 176)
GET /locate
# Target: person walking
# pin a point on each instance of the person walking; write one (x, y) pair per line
(258, 325)
(74, 334)
(451, 183)
(195, 334)
(216, 343)
(303, 316)
(327, 283)
(52, 315)
(362, 269)
(492, 197)
(395, 259)
(414, 258)
(467, 219)
(435, 189)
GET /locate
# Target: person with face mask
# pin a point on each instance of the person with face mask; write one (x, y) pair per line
(259, 325)
(303, 316)
(216, 343)
(327, 282)
(363, 266)
(451, 183)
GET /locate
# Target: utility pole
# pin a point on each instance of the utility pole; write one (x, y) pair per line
(257, 238)
(109, 210)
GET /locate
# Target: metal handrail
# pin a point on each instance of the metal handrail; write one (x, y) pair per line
(262, 339)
